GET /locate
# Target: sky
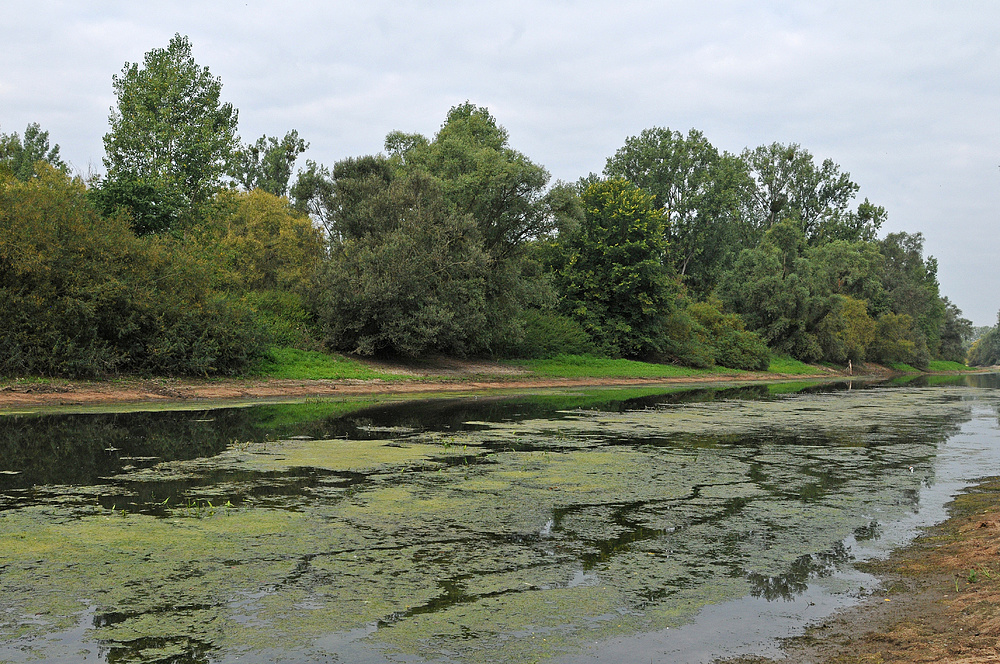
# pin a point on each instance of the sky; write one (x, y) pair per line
(904, 96)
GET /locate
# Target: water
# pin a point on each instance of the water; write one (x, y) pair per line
(563, 526)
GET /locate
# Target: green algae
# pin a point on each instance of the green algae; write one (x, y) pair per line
(505, 541)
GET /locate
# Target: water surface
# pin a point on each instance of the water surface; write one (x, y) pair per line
(564, 526)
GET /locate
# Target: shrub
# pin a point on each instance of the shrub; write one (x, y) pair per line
(547, 334)
(84, 296)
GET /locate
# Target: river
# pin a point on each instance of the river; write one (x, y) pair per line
(567, 526)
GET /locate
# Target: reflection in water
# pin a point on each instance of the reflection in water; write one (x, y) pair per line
(513, 529)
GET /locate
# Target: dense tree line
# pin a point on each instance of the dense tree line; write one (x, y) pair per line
(195, 253)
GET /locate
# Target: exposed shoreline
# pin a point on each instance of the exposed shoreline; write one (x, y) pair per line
(450, 376)
(135, 391)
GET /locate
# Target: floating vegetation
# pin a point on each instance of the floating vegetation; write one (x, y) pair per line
(516, 532)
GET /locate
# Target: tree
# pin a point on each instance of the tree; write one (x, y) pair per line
(482, 176)
(406, 273)
(262, 242)
(985, 351)
(20, 156)
(84, 296)
(501, 191)
(787, 184)
(699, 191)
(268, 163)
(956, 333)
(769, 287)
(313, 194)
(171, 137)
(614, 281)
(911, 285)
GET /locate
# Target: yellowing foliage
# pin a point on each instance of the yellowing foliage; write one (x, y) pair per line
(263, 243)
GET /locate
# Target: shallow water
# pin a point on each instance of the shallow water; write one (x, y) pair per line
(584, 526)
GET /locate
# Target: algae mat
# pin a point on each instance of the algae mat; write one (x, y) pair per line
(528, 536)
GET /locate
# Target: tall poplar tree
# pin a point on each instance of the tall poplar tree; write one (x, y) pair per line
(171, 138)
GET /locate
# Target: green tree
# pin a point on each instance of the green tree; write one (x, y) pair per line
(985, 351)
(262, 243)
(614, 281)
(406, 273)
(699, 191)
(20, 156)
(84, 296)
(769, 287)
(482, 176)
(787, 184)
(911, 285)
(268, 163)
(171, 138)
(956, 333)
(313, 194)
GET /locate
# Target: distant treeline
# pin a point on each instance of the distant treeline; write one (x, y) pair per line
(195, 253)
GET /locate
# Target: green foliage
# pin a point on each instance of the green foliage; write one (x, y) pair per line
(614, 282)
(911, 285)
(699, 192)
(84, 296)
(407, 273)
(170, 141)
(894, 342)
(587, 366)
(268, 163)
(731, 344)
(956, 333)
(313, 194)
(547, 334)
(787, 184)
(985, 351)
(260, 243)
(482, 176)
(20, 156)
(285, 316)
(846, 331)
(297, 364)
(769, 288)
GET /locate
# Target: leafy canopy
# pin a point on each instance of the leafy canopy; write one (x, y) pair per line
(20, 156)
(171, 138)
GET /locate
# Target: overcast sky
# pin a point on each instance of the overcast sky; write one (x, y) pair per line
(905, 96)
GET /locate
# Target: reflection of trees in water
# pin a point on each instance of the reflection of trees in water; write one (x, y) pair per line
(81, 448)
(158, 651)
(796, 580)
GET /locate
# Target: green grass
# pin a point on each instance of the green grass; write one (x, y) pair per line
(903, 367)
(297, 364)
(789, 366)
(944, 365)
(587, 366)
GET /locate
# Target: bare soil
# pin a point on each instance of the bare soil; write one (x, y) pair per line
(439, 375)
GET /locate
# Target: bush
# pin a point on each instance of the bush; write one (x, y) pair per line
(84, 296)
(724, 336)
(547, 334)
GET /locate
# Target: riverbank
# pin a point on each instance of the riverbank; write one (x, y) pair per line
(432, 377)
(939, 602)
